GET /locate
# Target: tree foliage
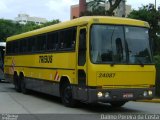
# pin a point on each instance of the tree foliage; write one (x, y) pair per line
(94, 4)
(97, 7)
(152, 16)
(113, 6)
(9, 27)
(50, 23)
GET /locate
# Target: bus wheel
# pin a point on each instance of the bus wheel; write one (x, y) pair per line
(66, 95)
(17, 83)
(117, 104)
(23, 85)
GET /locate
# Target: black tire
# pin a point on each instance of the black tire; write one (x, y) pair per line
(66, 95)
(23, 85)
(117, 104)
(17, 83)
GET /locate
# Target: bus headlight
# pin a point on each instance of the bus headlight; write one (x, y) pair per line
(145, 93)
(106, 94)
(99, 94)
(150, 93)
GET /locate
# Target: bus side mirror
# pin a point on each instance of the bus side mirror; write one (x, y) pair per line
(119, 49)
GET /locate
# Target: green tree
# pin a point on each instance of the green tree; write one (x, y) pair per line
(28, 27)
(94, 4)
(9, 27)
(51, 23)
(113, 6)
(152, 16)
(97, 9)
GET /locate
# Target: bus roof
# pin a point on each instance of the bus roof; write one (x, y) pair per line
(82, 21)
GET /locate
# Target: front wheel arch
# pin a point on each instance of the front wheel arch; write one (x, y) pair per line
(66, 93)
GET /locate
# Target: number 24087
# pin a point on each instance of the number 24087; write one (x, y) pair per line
(106, 75)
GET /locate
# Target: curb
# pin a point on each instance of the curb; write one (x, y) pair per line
(151, 101)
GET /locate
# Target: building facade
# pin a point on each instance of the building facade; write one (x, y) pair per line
(122, 10)
(74, 11)
(25, 18)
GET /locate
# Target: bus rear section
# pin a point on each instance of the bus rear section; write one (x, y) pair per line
(120, 67)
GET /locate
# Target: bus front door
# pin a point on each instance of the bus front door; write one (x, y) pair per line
(81, 66)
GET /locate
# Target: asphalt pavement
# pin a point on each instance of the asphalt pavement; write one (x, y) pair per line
(40, 106)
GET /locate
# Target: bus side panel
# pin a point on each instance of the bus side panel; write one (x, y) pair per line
(43, 72)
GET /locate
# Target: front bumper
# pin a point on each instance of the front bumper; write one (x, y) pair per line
(125, 94)
(120, 95)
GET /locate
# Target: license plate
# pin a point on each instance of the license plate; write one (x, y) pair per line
(128, 95)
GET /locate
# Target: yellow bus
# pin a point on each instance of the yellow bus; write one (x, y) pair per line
(88, 59)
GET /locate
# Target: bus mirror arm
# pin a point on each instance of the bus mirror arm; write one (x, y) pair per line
(112, 64)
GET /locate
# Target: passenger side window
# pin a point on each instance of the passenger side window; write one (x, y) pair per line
(15, 47)
(32, 44)
(41, 43)
(52, 41)
(67, 39)
(23, 46)
(8, 48)
(59, 40)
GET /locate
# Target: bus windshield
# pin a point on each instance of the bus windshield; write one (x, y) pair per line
(120, 44)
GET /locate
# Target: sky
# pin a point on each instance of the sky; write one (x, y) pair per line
(49, 9)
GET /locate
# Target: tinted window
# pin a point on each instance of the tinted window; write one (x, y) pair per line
(23, 46)
(8, 48)
(31, 44)
(41, 43)
(15, 46)
(67, 39)
(52, 41)
(63, 40)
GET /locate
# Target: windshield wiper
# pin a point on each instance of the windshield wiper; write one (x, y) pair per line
(141, 63)
(112, 64)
